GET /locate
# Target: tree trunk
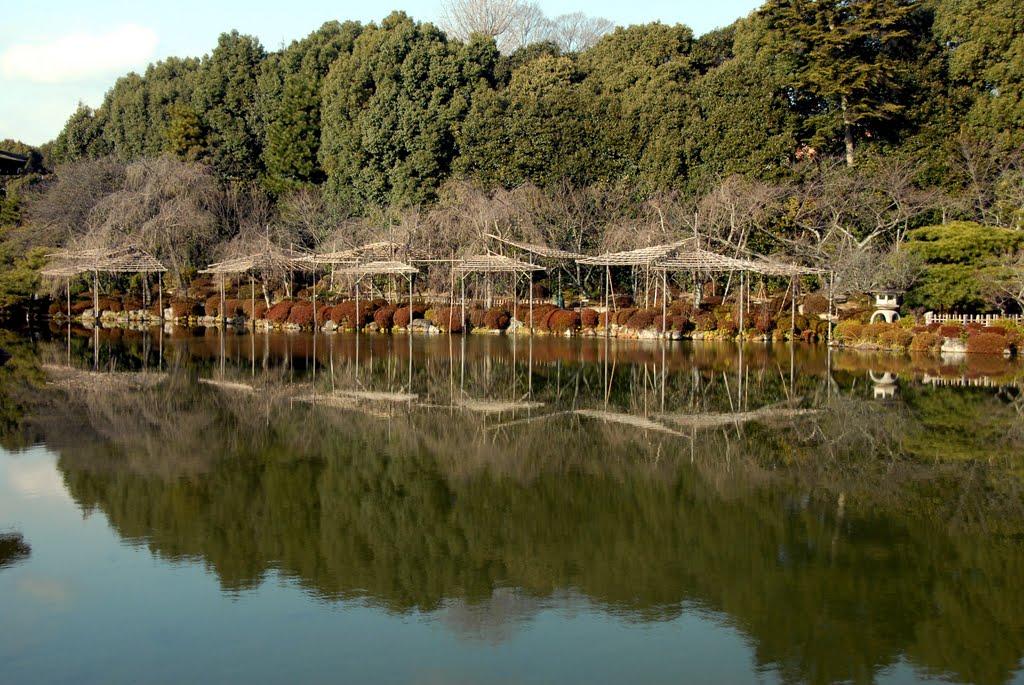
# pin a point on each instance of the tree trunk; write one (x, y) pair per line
(848, 133)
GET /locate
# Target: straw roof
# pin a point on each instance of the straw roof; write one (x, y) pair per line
(268, 258)
(123, 260)
(378, 268)
(539, 250)
(492, 263)
(774, 267)
(702, 260)
(643, 256)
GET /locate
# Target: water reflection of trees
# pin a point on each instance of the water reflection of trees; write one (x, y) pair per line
(840, 541)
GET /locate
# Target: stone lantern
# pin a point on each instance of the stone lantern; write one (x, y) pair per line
(887, 304)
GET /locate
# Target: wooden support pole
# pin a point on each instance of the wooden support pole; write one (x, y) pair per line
(742, 274)
(792, 308)
(223, 309)
(315, 326)
(463, 306)
(831, 283)
(607, 301)
(160, 297)
(96, 295)
(252, 303)
(355, 324)
(530, 281)
(664, 305)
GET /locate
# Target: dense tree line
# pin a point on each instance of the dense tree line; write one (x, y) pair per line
(826, 128)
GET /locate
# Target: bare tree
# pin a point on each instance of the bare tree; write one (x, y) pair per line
(577, 32)
(1004, 284)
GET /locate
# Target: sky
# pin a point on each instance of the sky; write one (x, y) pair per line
(56, 54)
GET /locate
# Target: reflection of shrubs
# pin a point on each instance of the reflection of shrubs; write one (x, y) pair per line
(563, 320)
(497, 318)
(589, 318)
(279, 312)
(986, 343)
(642, 319)
(926, 342)
(385, 317)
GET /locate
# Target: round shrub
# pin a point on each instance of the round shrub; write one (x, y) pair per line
(301, 313)
(257, 313)
(185, 307)
(589, 318)
(681, 308)
(279, 312)
(212, 306)
(623, 315)
(642, 319)
(925, 342)
(563, 320)
(476, 317)
(705, 321)
(448, 318)
(951, 331)
(896, 337)
(622, 301)
(385, 316)
(815, 304)
(997, 330)
(497, 318)
(987, 343)
(849, 331)
(541, 315)
(402, 314)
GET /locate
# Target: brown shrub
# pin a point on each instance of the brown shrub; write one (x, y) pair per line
(951, 330)
(563, 320)
(711, 301)
(849, 331)
(476, 317)
(401, 318)
(448, 318)
(987, 343)
(80, 306)
(233, 307)
(681, 307)
(622, 301)
(110, 304)
(623, 315)
(258, 313)
(925, 341)
(279, 312)
(896, 337)
(541, 316)
(301, 313)
(873, 331)
(212, 306)
(589, 318)
(705, 321)
(385, 316)
(763, 322)
(642, 319)
(995, 330)
(727, 325)
(815, 304)
(185, 307)
(497, 318)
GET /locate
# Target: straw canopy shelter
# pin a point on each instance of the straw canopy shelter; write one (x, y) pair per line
(68, 263)
(489, 264)
(538, 250)
(270, 259)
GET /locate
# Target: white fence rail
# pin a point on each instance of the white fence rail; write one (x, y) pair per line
(983, 319)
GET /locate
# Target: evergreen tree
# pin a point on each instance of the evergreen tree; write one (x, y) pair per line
(842, 56)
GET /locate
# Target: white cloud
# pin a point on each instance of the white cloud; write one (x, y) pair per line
(79, 56)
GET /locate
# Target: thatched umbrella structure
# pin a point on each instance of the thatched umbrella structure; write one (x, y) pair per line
(492, 264)
(68, 263)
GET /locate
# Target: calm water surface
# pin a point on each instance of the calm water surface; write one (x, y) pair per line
(278, 508)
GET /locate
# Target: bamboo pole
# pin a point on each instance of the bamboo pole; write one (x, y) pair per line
(223, 309)
(664, 303)
(792, 309)
(530, 282)
(742, 274)
(831, 283)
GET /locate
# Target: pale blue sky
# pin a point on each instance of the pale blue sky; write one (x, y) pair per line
(55, 54)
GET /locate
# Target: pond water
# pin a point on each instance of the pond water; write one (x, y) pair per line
(275, 508)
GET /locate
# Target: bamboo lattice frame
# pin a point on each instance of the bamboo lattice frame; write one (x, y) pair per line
(538, 250)
(493, 263)
(69, 263)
